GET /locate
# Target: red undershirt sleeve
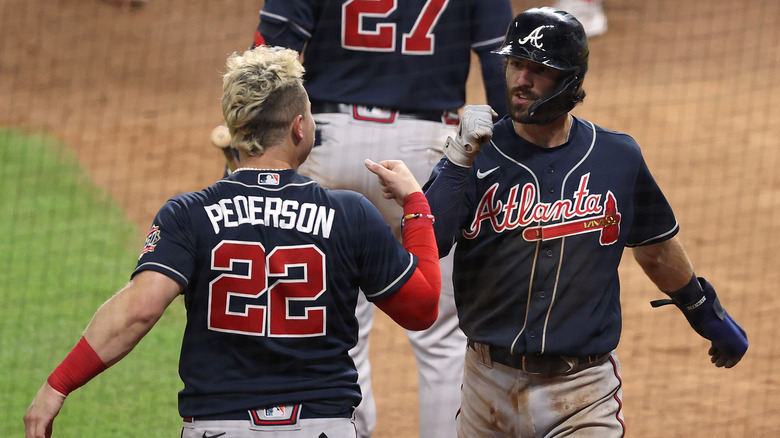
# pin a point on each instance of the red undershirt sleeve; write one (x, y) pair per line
(415, 306)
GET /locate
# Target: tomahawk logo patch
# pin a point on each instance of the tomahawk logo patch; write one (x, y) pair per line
(608, 224)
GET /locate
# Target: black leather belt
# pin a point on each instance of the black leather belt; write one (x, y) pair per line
(324, 107)
(539, 363)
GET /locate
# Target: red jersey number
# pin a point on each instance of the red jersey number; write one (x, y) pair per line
(419, 40)
(274, 319)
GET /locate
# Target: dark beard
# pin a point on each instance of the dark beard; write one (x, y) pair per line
(516, 111)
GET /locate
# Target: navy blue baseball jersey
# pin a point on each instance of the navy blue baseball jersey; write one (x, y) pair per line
(416, 61)
(540, 236)
(272, 264)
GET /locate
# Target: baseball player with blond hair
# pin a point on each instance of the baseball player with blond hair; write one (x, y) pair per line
(271, 265)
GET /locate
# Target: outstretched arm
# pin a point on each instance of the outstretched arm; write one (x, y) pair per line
(669, 267)
(415, 306)
(117, 327)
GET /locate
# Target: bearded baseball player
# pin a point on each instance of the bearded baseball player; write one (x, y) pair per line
(541, 206)
(386, 79)
(270, 265)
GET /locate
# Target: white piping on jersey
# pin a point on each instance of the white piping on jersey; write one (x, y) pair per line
(676, 225)
(488, 42)
(538, 244)
(297, 27)
(536, 253)
(173, 271)
(563, 240)
(408, 267)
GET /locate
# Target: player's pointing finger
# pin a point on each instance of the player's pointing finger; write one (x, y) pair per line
(375, 168)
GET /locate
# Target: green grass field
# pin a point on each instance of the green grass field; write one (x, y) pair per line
(67, 249)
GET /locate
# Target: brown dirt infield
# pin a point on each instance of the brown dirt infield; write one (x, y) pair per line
(136, 92)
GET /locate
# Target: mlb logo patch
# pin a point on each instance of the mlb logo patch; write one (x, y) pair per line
(268, 179)
(277, 417)
(274, 412)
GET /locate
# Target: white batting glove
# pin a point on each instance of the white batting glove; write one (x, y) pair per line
(476, 128)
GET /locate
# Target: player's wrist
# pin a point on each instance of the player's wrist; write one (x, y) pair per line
(78, 367)
(416, 207)
(689, 294)
(458, 152)
(416, 202)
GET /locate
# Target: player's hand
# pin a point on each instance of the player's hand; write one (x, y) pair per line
(710, 320)
(395, 179)
(476, 128)
(729, 340)
(701, 307)
(39, 418)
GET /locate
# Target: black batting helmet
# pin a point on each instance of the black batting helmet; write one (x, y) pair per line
(554, 38)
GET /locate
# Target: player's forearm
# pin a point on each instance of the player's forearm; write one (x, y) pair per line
(665, 263)
(415, 305)
(418, 238)
(445, 195)
(119, 324)
(126, 318)
(115, 330)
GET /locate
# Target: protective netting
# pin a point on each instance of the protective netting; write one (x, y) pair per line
(126, 97)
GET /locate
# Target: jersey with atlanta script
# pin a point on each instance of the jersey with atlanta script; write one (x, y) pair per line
(540, 236)
(272, 264)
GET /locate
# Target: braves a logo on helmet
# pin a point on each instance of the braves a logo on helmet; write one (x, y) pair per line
(583, 213)
(535, 38)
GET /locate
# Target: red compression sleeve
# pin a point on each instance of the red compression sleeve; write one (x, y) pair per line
(78, 368)
(415, 305)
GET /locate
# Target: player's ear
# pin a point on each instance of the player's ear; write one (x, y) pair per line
(297, 128)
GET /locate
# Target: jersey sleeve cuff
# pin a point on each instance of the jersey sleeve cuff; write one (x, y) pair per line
(162, 269)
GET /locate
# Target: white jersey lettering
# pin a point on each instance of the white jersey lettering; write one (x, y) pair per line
(527, 210)
(271, 212)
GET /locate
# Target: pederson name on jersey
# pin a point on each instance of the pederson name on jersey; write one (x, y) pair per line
(286, 214)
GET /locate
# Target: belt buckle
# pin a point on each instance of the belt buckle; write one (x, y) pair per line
(550, 367)
(572, 362)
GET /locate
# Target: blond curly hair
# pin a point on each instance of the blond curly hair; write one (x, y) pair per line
(262, 92)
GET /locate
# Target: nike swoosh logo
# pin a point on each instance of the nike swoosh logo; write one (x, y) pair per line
(481, 174)
(213, 436)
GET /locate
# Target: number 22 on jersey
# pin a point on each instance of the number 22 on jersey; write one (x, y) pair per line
(272, 319)
(419, 40)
